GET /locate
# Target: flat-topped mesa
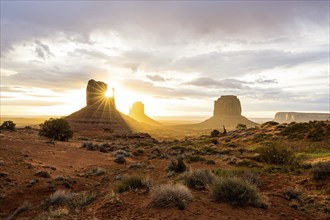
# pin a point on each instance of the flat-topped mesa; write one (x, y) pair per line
(137, 109)
(137, 112)
(227, 112)
(287, 117)
(228, 105)
(95, 91)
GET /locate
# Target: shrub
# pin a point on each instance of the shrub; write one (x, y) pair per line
(9, 125)
(177, 166)
(23, 208)
(131, 182)
(321, 171)
(269, 123)
(169, 195)
(198, 179)
(236, 191)
(120, 159)
(272, 153)
(42, 173)
(192, 159)
(261, 137)
(291, 194)
(215, 133)
(295, 130)
(60, 197)
(138, 152)
(316, 135)
(102, 147)
(251, 177)
(98, 171)
(89, 146)
(214, 141)
(83, 198)
(57, 129)
(241, 126)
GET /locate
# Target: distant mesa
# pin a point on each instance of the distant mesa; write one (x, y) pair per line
(287, 117)
(228, 105)
(100, 111)
(137, 112)
(227, 112)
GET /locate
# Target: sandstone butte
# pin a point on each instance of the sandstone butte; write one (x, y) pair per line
(100, 113)
(137, 112)
(227, 112)
(287, 117)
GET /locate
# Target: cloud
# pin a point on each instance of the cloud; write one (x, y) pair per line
(170, 22)
(42, 50)
(207, 49)
(267, 81)
(156, 78)
(55, 79)
(225, 83)
(22, 102)
(165, 92)
(239, 63)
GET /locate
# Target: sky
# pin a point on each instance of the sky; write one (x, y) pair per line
(177, 57)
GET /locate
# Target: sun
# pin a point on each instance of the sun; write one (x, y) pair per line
(108, 93)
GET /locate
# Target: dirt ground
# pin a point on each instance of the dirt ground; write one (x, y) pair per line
(23, 153)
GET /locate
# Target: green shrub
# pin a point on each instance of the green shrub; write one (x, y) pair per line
(192, 159)
(60, 197)
(131, 182)
(241, 126)
(215, 133)
(269, 123)
(198, 179)
(273, 153)
(321, 171)
(120, 159)
(261, 137)
(57, 129)
(236, 191)
(8, 125)
(97, 171)
(23, 208)
(177, 166)
(82, 199)
(291, 194)
(295, 130)
(316, 135)
(169, 195)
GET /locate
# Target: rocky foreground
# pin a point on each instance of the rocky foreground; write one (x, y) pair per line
(99, 175)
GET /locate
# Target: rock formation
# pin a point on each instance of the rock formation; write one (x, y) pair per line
(227, 112)
(95, 91)
(227, 105)
(287, 117)
(100, 111)
(137, 112)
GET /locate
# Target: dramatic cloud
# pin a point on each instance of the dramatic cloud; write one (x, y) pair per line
(156, 78)
(271, 54)
(42, 50)
(209, 82)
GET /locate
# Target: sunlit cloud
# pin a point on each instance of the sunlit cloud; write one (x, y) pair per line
(176, 57)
